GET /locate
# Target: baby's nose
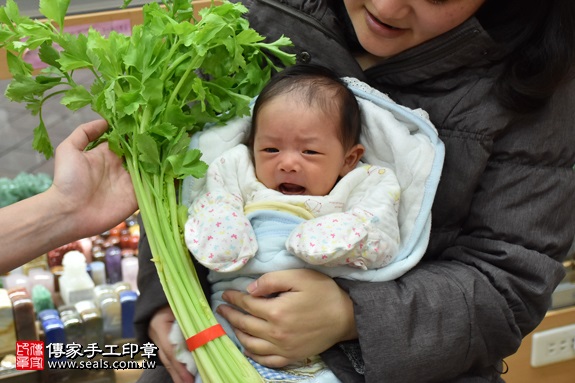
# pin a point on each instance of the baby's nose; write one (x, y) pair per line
(289, 162)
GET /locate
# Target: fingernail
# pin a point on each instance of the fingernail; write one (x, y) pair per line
(252, 287)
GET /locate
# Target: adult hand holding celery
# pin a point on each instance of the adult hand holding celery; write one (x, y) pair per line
(155, 88)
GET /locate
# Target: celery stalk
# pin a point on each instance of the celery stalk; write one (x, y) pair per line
(223, 363)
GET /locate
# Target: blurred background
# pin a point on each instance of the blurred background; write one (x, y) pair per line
(17, 132)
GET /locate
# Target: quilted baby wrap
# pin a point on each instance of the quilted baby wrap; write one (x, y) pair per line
(396, 138)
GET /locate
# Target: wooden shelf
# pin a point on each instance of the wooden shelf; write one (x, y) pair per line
(520, 370)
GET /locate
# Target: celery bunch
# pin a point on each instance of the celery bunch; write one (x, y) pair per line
(170, 78)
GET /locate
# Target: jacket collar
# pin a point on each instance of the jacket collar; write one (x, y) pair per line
(467, 45)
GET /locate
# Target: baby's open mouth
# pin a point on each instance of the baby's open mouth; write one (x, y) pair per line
(286, 188)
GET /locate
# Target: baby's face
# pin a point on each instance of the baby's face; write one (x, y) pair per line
(297, 149)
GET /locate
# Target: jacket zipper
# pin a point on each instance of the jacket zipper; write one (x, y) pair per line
(303, 17)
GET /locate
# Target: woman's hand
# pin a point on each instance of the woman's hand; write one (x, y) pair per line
(158, 331)
(295, 314)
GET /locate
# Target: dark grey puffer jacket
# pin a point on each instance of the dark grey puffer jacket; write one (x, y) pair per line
(502, 220)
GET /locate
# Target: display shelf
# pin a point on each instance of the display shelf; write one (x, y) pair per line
(520, 369)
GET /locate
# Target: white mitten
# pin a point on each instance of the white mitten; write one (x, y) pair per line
(353, 238)
(218, 233)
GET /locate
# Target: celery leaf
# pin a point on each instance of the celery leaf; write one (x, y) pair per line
(41, 141)
(55, 10)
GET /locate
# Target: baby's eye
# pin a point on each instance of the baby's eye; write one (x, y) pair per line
(310, 152)
(270, 150)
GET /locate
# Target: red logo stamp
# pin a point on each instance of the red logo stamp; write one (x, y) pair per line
(29, 355)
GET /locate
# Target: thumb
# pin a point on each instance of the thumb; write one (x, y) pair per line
(86, 133)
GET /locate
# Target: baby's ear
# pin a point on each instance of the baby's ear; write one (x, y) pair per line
(352, 157)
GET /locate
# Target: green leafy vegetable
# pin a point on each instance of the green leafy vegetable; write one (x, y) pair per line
(155, 88)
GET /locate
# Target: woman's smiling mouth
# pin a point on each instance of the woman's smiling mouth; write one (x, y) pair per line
(382, 29)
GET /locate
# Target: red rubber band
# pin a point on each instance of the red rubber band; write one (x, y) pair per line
(205, 336)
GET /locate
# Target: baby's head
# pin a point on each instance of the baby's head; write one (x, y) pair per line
(305, 131)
